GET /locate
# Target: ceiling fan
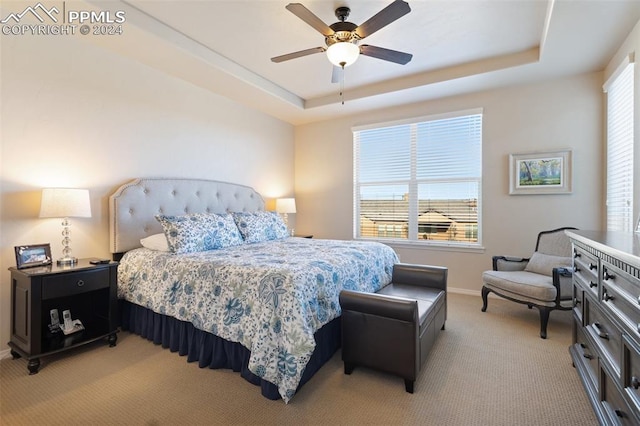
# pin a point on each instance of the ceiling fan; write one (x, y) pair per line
(342, 37)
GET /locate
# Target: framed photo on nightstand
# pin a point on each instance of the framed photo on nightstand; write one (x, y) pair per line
(33, 255)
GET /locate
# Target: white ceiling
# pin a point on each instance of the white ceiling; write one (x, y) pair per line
(458, 46)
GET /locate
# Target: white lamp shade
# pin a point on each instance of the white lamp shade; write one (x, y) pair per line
(343, 53)
(286, 205)
(65, 202)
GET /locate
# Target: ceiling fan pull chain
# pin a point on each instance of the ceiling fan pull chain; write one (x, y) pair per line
(342, 84)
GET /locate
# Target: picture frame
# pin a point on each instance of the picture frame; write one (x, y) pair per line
(540, 173)
(33, 255)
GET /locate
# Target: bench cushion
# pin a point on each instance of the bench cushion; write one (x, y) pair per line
(426, 297)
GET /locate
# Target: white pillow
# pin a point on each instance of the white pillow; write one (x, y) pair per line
(544, 263)
(155, 242)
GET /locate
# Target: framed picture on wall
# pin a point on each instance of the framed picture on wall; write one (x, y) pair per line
(540, 173)
(33, 255)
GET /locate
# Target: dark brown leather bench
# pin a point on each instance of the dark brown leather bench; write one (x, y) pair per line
(394, 329)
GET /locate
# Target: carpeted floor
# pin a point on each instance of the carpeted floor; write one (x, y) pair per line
(485, 369)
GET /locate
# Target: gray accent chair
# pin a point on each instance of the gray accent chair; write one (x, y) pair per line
(543, 280)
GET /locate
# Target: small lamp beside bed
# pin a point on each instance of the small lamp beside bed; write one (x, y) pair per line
(285, 206)
(64, 203)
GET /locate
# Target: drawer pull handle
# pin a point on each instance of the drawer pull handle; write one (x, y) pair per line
(620, 414)
(635, 382)
(80, 283)
(592, 266)
(607, 276)
(592, 285)
(576, 269)
(606, 296)
(576, 254)
(576, 302)
(587, 356)
(601, 333)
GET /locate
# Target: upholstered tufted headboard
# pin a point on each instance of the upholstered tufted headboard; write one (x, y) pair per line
(133, 206)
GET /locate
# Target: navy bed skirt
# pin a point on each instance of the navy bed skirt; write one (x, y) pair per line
(215, 352)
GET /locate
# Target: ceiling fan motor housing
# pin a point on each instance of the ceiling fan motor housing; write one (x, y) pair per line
(342, 32)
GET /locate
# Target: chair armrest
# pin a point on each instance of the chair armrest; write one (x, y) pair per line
(420, 275)
(562, 281)
(509, 263)
(394, 307)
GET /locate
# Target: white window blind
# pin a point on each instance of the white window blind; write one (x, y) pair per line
(420, 181)
(620, 149)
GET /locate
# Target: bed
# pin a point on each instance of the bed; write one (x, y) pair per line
(265, 305)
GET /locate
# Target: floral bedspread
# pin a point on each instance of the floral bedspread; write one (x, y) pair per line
(271, 297)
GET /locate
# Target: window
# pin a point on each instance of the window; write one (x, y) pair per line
(419, 181)
(619, 91)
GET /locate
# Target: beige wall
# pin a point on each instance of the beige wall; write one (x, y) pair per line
(566, 113)
(78, 116)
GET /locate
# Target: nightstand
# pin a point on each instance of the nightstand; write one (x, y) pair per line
(88, 291)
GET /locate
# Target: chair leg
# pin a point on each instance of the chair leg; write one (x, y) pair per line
(485, 292)
(544, 320)
(408, 385)
(348, 367)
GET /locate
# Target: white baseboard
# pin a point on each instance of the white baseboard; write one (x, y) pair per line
(463, 291)
(468, 292)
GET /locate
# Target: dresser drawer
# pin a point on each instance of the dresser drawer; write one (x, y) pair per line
(604, 333)
(586, 269)
(63, 285)
(578, 303)
(621, 294)
(585, 348)
(614, 403)
(631, 374)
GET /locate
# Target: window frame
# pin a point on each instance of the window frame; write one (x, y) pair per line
(413, 213)
(615, 211)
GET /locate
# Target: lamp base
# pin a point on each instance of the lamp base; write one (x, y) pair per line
(67, 261)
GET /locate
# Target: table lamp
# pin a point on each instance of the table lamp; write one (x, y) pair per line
(286, 206)
(65, 203)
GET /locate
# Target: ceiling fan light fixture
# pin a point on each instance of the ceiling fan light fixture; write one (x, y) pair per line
(343, 53)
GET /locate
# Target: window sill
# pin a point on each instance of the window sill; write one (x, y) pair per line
(427, 246)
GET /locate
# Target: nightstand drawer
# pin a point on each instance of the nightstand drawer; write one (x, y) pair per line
(63, 285)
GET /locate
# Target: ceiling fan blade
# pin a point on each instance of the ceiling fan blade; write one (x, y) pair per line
(336, 74)
(395, 10)
(385, 54)
(297, 54)
(307, 16)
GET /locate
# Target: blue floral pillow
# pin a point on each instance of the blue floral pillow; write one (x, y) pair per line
(260, 226)
(199, 232)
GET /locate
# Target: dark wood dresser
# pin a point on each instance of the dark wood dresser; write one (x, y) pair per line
(606, 322)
